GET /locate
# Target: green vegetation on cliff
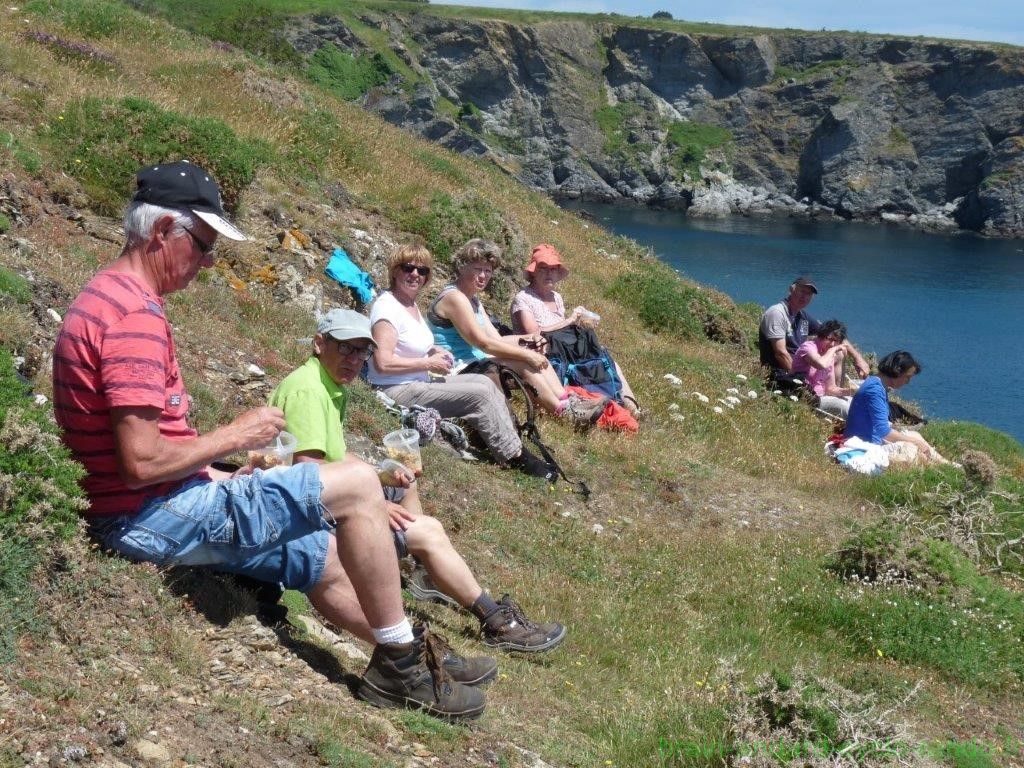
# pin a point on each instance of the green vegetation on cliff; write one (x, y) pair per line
(347, 76)
(690, 143)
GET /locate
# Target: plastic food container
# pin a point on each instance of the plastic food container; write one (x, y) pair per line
(387, 469)
(403, 445)
(276, 454)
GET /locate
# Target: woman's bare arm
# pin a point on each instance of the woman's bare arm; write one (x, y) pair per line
(390, 364)
(454, 306)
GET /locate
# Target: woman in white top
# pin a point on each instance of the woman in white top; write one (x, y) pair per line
(539, 307)
(412, 370)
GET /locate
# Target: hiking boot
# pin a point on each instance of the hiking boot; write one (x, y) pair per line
(583, 412)
(530, 465)
(422, 587)
(508, 629)
(412, 675)
(476, 670)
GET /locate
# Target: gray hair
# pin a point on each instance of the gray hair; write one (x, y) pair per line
(476, 250)
(140, 218)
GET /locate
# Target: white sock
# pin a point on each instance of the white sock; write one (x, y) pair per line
(400, 633)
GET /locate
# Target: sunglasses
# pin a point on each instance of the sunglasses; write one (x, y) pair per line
(204, 248)
(410, 268)
(363, 353)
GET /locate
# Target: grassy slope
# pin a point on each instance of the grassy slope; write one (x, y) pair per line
(714, 528)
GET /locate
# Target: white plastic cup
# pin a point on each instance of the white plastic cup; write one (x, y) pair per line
(276, 454)
(403, 445)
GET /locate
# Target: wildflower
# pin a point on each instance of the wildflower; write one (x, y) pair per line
(732, 391)
(794, 398)
(702, 398)
(677, 417)
(718, 409)
(732, 400)
(673, 406)
(672, 379)
(597, 528)
(740, 377)
(752, 395)
(777, 392)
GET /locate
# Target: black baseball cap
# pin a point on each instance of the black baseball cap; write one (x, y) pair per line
(804, 280)
(185, 185)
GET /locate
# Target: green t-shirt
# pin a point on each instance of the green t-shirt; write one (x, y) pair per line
(314, 409)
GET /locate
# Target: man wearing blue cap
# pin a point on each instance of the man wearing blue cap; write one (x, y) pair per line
(122, 405)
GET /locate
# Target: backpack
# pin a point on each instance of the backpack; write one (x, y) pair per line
(578, 359)
(519, 398)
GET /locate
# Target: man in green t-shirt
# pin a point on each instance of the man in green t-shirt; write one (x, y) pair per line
(313, 398)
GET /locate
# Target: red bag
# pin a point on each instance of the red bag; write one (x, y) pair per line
(614, 417)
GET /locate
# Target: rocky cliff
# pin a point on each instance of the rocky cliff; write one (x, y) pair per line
(858, 126)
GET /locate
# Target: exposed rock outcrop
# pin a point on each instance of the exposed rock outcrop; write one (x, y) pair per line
(928, 133)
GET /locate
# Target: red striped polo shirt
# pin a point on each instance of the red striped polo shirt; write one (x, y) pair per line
(115, 349)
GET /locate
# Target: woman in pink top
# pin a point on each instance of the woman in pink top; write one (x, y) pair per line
(821, 361)
(539, 307)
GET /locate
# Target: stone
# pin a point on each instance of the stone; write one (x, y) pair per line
(152, 753)
(318, 630)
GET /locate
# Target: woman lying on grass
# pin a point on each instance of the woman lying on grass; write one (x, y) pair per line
(462, 327)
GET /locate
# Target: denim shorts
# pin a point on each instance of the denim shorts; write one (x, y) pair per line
(269, 525)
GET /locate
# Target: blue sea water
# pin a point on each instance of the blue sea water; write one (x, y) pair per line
(955, 301)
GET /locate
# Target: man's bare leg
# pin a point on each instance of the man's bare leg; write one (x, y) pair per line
(428, 541)
(352, 494)
(335, 598)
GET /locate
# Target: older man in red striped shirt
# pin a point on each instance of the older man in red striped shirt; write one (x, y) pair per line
(121, 402)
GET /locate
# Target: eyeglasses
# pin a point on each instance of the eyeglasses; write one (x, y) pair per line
(204, 248)
(410, 268)
(347, 350)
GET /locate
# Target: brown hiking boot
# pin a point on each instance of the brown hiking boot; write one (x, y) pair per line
(508, 629)
(412, 675)
(476, 670)
(582, 412)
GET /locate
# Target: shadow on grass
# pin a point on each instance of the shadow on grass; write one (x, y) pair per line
(221, 598)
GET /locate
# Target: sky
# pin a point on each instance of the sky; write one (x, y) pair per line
(988, 20)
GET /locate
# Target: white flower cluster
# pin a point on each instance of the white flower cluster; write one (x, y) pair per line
(731, 398)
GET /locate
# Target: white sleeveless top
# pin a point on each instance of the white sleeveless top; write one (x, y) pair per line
(414, 339)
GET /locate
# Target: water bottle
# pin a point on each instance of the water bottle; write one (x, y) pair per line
(586, 314)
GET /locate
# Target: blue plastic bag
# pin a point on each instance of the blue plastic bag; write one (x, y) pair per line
(343, 270)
